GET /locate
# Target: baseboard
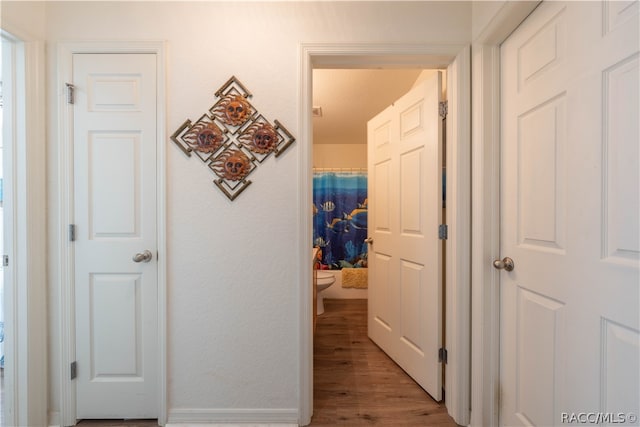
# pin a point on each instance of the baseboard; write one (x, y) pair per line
(199, 424)
(189, 417)
(185, 417)
(54, 419)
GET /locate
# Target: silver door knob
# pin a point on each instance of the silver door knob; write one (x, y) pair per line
(504, 264)
(369, 240)
(143, 256)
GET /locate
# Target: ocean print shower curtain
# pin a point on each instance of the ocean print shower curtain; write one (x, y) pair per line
(340, 218)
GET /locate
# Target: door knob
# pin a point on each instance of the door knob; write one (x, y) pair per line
(143, 256)
(369, 240)
(504, 264)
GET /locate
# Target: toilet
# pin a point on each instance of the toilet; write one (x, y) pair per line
(324, 279)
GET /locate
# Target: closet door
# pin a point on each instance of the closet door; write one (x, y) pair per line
(116, 277)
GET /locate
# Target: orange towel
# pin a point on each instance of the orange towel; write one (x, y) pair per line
(354, 278)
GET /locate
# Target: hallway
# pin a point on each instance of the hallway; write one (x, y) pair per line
(355, 383)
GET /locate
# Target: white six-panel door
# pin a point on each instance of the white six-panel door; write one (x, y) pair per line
(114, 140)
(405, 210)
(570, 329)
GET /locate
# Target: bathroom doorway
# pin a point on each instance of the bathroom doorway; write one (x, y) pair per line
(456, 59)
(344, 100)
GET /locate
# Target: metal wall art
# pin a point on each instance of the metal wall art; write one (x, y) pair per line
(232, 138)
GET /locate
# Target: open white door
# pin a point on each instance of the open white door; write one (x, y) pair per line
(405, 211)
(570, 330)
(114, 141)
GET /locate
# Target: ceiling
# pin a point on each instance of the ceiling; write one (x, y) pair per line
(350, 98)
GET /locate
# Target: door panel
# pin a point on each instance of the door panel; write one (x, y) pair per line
(620, 162)
(541, 189)
(539, 324)
(114, 211)
(115, 353)
(570, 214)
(405, 298)
(115, 214)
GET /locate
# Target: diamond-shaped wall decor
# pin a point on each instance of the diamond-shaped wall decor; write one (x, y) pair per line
(232, 138)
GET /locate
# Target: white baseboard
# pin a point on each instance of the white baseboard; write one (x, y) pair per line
(187, 417)
(54, 419)
(190, 417)
(231, 425)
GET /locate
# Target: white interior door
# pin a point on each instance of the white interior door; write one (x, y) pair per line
(115, 213)
(405, 210)
(570, 332)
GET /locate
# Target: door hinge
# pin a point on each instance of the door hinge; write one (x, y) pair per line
(5, 260)
(442, 355)
(70, 93)
(443, 232)
(72, 232)
(73, 370)
(443, 109)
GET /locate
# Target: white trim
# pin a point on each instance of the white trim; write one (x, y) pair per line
(26, 373)
(458, 275)
(305, 238)
(66, 324)
(243, 416)
(238, 424)
(485, 362)
(34, 163)
(485, 205)
(10, 402)
(332, 55)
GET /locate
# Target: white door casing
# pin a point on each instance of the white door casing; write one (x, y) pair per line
(570, 332)
(405, 259)
(115, 149)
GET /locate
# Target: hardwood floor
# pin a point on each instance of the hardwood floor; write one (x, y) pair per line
(356, 383)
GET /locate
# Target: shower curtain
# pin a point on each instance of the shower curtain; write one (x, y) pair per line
(340, 218)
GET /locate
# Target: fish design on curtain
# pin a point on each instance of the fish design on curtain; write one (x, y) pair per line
(340, 218)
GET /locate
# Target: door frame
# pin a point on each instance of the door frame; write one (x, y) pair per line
(66, 300)
(456, 59)
(25, 308)
(485, 192)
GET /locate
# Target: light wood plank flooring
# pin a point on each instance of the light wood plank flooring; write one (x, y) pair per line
(356, 383)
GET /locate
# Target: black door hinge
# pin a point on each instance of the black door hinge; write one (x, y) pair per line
(70, 93)
(443, 232)
(443, 109)
(73, 370)
(442, 355)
